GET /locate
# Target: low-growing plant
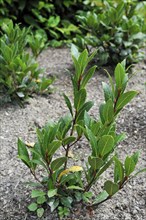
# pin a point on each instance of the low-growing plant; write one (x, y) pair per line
(37, 41)
(19, 76)
(116, 29)
(56, 18)
(63, 183)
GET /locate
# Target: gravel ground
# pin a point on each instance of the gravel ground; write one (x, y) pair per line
(129, 203)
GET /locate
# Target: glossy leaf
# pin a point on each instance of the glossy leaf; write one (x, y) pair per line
(129, 165)
(52, 192)
(66, 201)
(37, 193)
(80, 98)
(110, 187)
(125, 99)
(40, 212)
(32, 207)
(108, 111)
(118, 171)
(101, 197)
(135, 157)
(93, 142)
(95, 162)
(105, 167)
(41, 199)
(68, 140)
(105, 145)
(88, 76)
(53, 203)
(107, 92)
(119, 75)
(53, 147)
(23, 153)
(68, 103)
(86, 107)
(57, 163)
(83, 60)
(73, 187)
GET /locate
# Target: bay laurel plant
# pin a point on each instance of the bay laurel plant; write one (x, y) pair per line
(61, 185)
(117, 29)
(20, 73)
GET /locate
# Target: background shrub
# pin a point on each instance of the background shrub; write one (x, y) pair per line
(116, 28)
(19, 75)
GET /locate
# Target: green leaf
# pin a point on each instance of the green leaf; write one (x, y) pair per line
(77, 69)
(88, 76)
(80, 98)
(53, 147)
(37, 193)
(111, 81)
(58, 163)
(53, 203)
(68, 140)
(110, 187)
(108, 111)
(75, 187)
(83, 60)
(86, 107)
(101, 110)
(120, 138)
(32, 207)
(87, 196)
(93, 142)
(80, 128)
(53, 21)
(25, 160)
(23, 153)
(101, 197)
(104, 168)
(52, 193)
(119, 75)
(41, 200)
(40, 212)
(39, 162)
(105, 145)
(118, 171)
(68, 103)
(74, 51)
(78, 196)
(92, 56)
(125, 98)
(135, 157)
(95, 162)
(87, 119)
(66, 201)
(107, 91)
(129, 165)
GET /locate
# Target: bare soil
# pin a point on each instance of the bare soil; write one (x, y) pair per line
(129, 203)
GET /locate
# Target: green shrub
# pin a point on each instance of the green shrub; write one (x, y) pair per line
(116, 29)
(61, 184)
(55, 17)
(19, 76)
(37, 41)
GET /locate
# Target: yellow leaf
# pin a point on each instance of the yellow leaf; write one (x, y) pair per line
(63, 173)
(75, 169)
(30, 144)
(71, 169)
(37, 80)
(70, 154)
